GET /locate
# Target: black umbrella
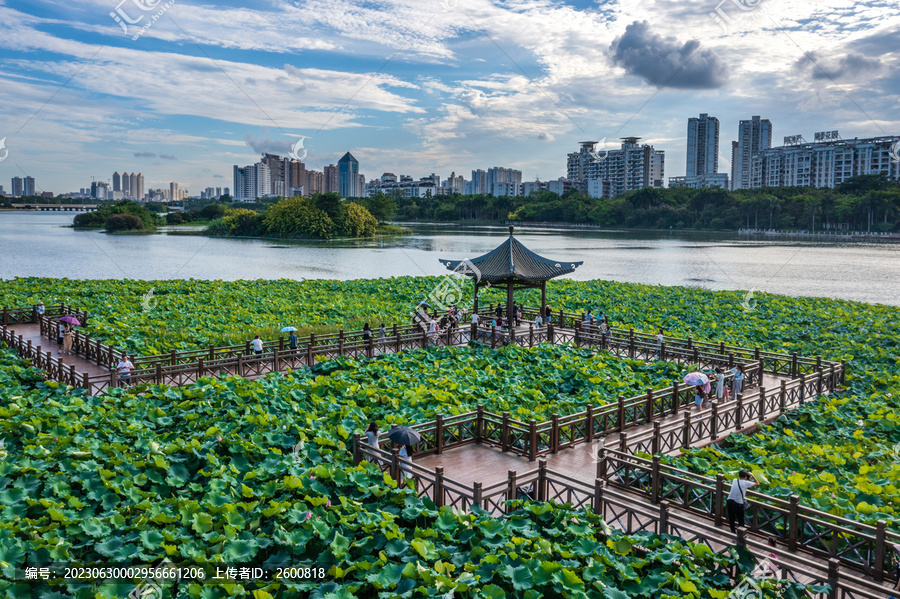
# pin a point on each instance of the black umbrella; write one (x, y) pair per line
(403, 435)
(426, 304)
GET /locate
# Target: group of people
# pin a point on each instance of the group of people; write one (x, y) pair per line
(372, 434)
(703, 399)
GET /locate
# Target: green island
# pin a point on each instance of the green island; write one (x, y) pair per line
(234, 470)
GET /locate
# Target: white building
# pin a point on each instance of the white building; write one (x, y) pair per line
(632, 166)
(454, 184)
(719, 180)
(754, 136)
(405, 187)
(252, 182)
(559, 186)
(702, 145)
(827, 162)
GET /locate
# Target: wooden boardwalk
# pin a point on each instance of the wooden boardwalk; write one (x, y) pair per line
(32, 333)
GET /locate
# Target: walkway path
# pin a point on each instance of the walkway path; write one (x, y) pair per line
(32, 332)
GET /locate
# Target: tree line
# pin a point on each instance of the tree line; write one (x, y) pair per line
(863, 203)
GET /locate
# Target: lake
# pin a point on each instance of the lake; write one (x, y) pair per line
(39, 244)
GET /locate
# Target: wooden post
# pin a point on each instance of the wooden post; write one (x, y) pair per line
(554, 432)
(356, 457)
(424, 339)
(504, 432)
(240, 365)
(493, 336)
(5, 315)
(741, 536)
(281, 343)
(820, 379)
(676, 389)
(247, 348)
(212, 352)
(719, 499)
(589, 424)
(530, 334)
(739, 411)
(397, 342)
(802, 389)
(686, 431)
(714, 421)
(831, 379)
(654, 480)
(794, 365)
(655, 442)
(649, 405)
(690, 344)
(833, 577)
(85, 380)
(597, 503)
(511, 485)
(601, 463)
(479, 423)
(843, 372)
(341, 342)
(578, 334)
(439, 433)
(275, 353)
(395, 464)
(159, 378)
(793, 532)
(310, 351)
(880, 534)
(623, 442)
(663, 527)
(721, 348)
(782, 401)
(762, 404)
(201, 369)
(550, 336)
(438, 487)
(542, 481)
(621, 414)
(476, 494)
(631, 343)
(532, 440)
(662, 351)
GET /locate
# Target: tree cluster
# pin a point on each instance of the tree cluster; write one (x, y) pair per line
(122, 215)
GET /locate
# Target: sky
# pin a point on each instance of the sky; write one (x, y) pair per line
(182, 90)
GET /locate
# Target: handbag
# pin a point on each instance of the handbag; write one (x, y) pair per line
(744, 501)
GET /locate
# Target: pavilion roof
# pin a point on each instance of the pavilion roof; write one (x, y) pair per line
(511, 260)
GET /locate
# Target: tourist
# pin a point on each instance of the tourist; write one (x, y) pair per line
(737, 384)
(896, 558)
(538, 321)
(475, 318)
(367, 332)
(604, 336)
(292, 340)
(699, 396)
(499, 311)
(40, 309)
(518, 315)
(382, 334)
(548, 315)
(67, 341)
(720, 384)
(433, 331)
(124, 368)
(588, 320)
(372, 434)
(60, 333)
(660, 339)
(737, 498)
(405, 470)
(257, 345)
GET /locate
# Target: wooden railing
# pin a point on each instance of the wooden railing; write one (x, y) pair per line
(31, 315)
(861, 546)
(672, 514)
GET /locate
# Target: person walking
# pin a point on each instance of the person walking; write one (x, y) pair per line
(405, 470)
(124, 368)
(40, 309)
(548, 315)
(60, 333)
(737, 498)
(382, 333)
(518, 315)
(737, 385)
(660, 338)
(257, 345)
(720, 384)
(292, 340)
(372, 434)
(699, 396)
(67, 341)
(538, 321)
(367, 332)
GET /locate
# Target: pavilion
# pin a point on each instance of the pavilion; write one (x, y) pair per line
(514, 266)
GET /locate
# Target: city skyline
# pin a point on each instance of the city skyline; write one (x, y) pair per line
(435, 88)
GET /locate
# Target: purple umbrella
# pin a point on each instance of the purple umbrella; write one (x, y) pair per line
(70, 320)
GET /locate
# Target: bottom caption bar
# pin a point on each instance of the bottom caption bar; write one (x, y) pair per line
(167, 572)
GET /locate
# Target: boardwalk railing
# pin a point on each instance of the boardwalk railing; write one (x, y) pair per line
(855, 544)
(621, 511)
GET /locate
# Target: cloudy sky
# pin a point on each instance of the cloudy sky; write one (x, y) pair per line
(419, 86)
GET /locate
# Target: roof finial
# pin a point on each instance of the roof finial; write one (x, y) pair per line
(510, 230)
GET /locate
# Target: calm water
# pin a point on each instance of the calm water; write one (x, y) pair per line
(37, 244)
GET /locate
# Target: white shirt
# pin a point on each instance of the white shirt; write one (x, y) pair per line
(474, 317)
(257, 344)
(124, 366)
(739, 489)
(372, 438)
(659, 339)
(538, 321)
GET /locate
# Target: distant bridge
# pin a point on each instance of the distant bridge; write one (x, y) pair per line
(58, 207)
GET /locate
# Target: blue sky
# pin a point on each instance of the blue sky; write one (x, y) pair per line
(421, 86)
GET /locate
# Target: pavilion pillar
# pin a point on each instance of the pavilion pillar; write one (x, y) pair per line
(509, 305)
(475, 307)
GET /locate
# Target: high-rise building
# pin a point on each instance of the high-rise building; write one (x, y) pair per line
(126, 185)
(295, 176)
(28, 189)
(117, 182)
(702, 146)
(315, 182)
(711, 180)
(252, 182)
(174, 191)
(578, 163)
(348, 176)
(633, 166)
(479, 182)
(454, 184)
(330, 179)
(140, 187)
(133, 184)
(824, 163)
(219, 192)
(17, 186)
(754, 136)
(502, 181)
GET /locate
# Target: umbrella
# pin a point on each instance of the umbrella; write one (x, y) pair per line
(70, 320)
(426, 304)
(696, 378)
(288, 329)
(403, 435)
